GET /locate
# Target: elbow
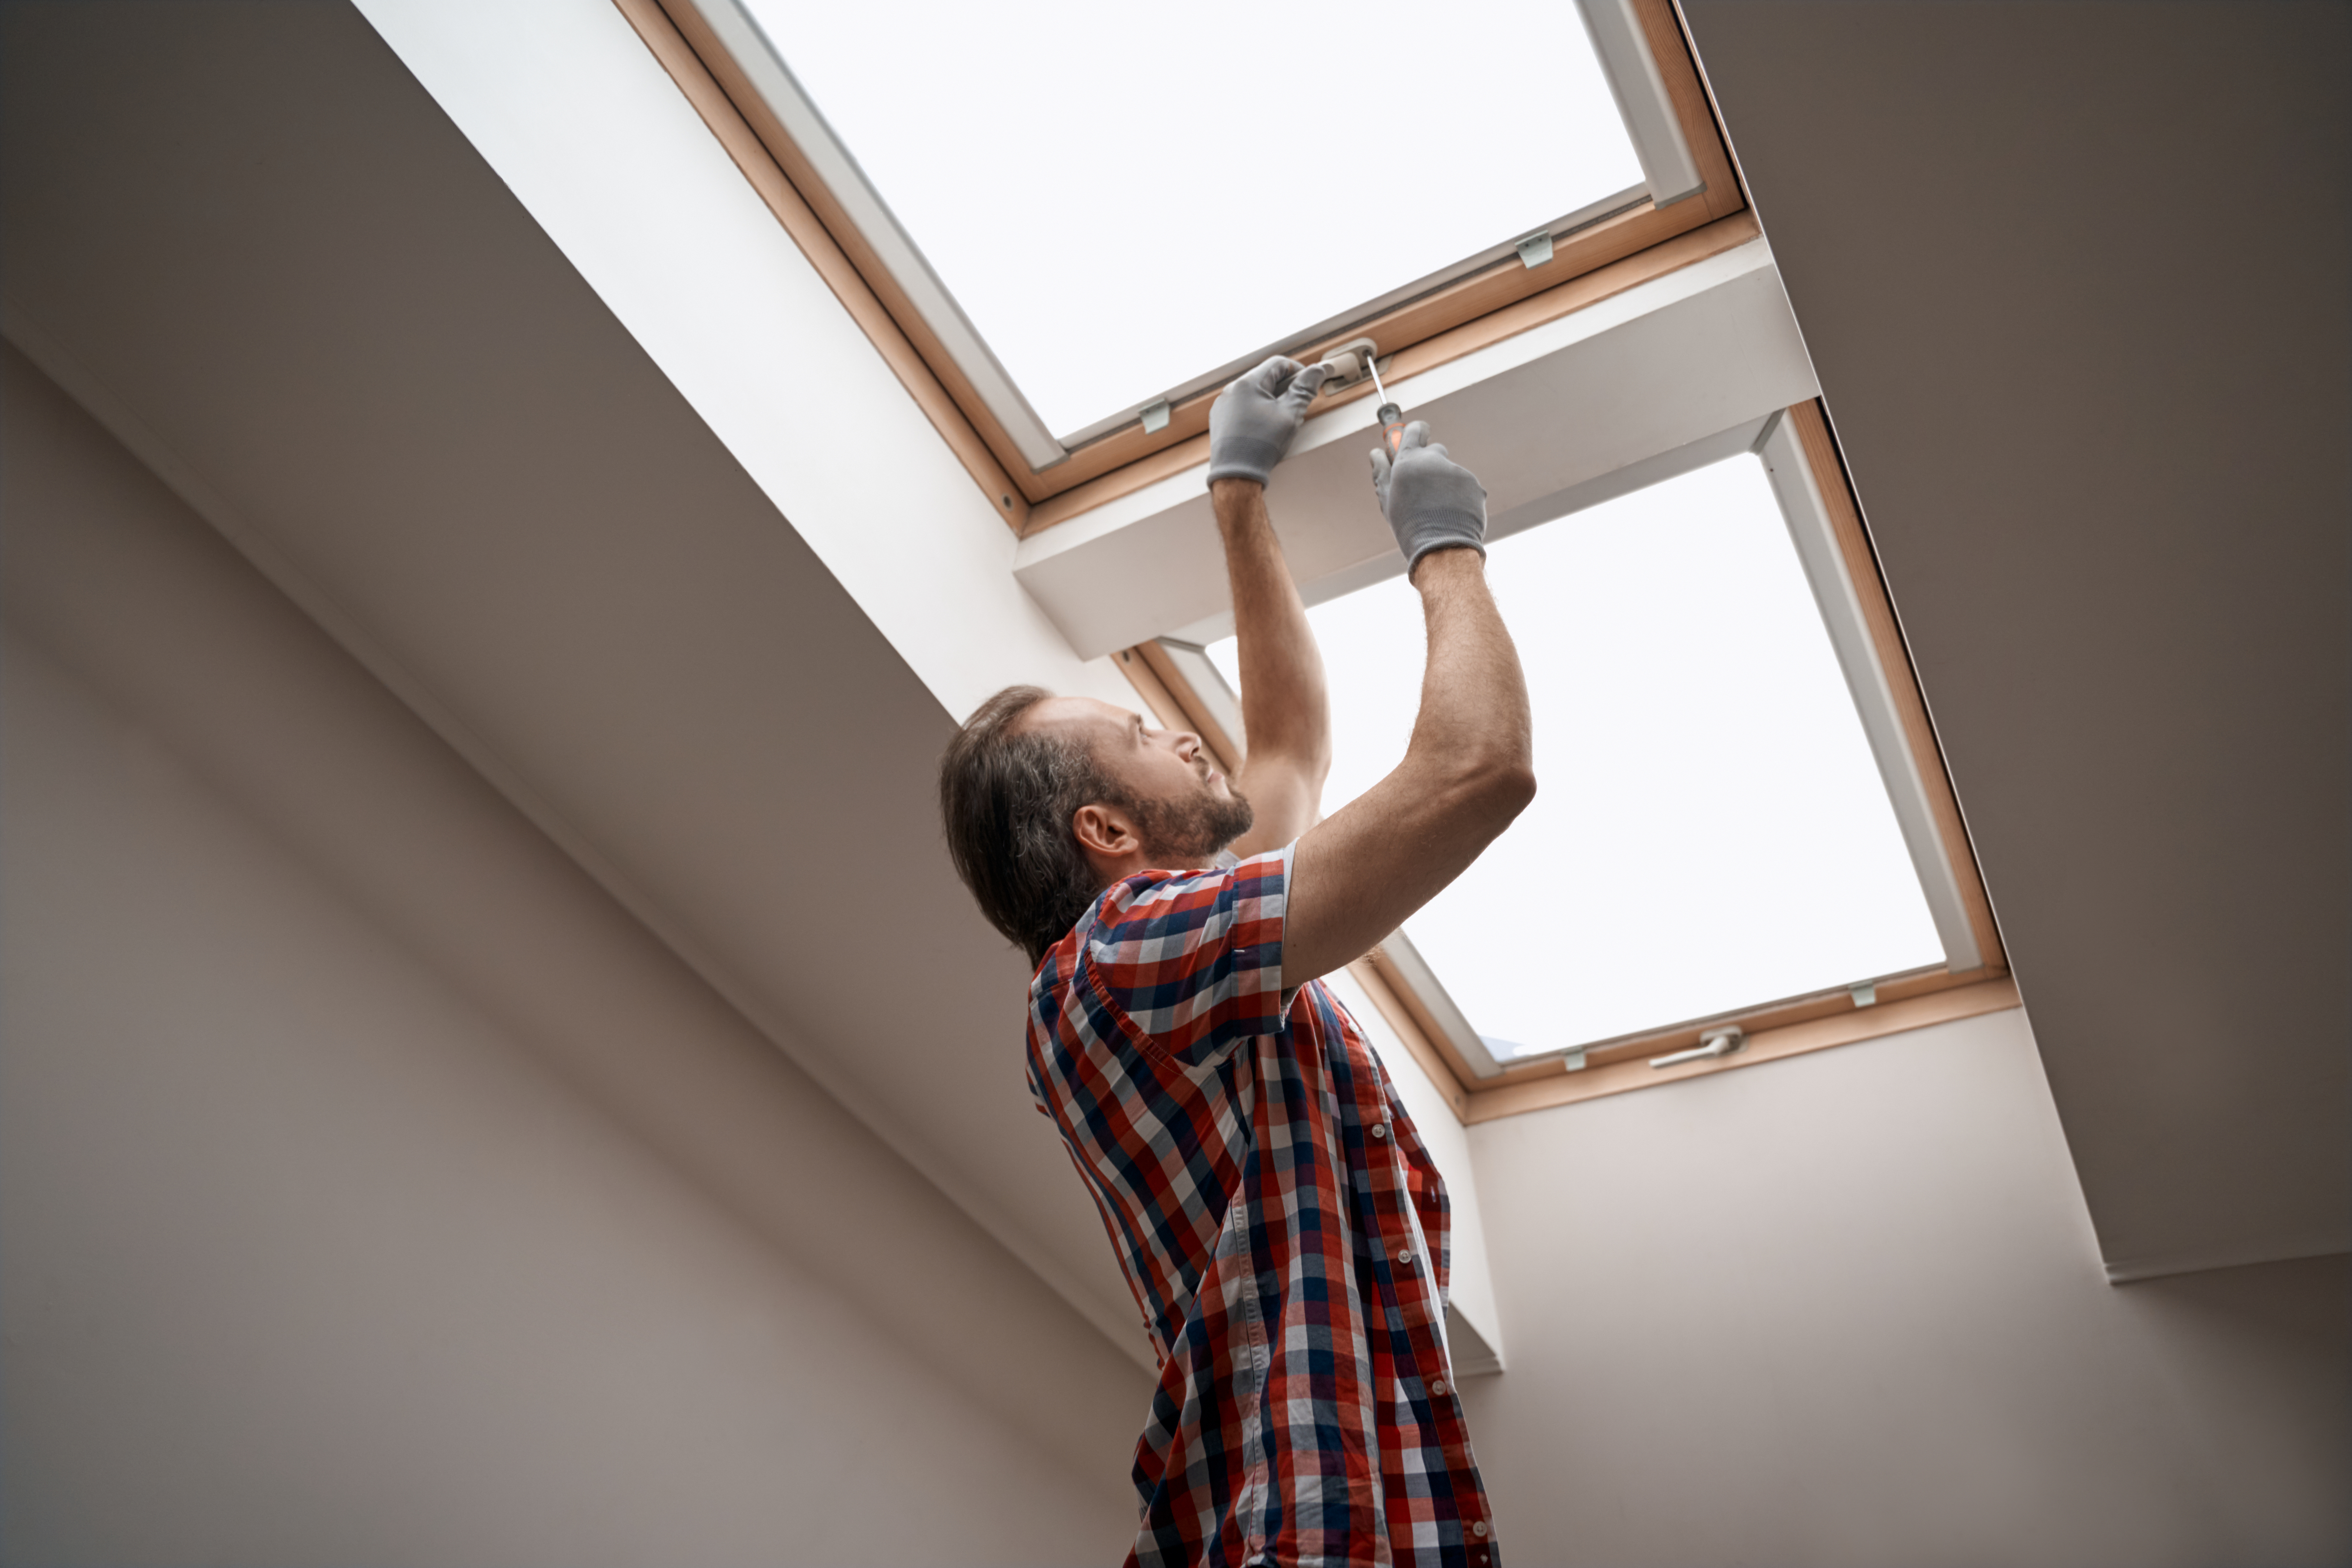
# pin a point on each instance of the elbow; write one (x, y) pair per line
(1496, 791)
(1509, 789)
(1484, 789)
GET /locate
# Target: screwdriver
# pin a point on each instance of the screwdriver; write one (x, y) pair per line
(1363, 350)
(1391, 417)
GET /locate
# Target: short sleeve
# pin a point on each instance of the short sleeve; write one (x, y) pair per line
(1190, 963)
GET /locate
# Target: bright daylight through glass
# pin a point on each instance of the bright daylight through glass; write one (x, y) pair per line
(1123, 198)
(1709, 831)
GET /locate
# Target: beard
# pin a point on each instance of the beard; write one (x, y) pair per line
(1190, 832)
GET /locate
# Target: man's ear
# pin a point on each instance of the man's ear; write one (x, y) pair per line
(1104, 833)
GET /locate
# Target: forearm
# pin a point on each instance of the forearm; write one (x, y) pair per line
(1467, 772)
(1473, 720)
(1286, 713)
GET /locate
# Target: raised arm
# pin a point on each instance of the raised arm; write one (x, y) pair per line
(1469, 769)
(1286, 715)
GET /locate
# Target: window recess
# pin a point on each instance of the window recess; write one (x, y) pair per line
(1750, 827)
(1618, 92)
(1710, 322)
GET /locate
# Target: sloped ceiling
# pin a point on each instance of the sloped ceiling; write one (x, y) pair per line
(2072, 277)
(250, 228)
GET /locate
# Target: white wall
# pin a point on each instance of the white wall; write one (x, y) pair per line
(372, 1189)
(1847, 1308)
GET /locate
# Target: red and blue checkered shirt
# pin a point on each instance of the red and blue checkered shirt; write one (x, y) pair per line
(1282, 1226)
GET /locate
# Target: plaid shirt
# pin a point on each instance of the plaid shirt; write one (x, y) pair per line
(1283, 1229)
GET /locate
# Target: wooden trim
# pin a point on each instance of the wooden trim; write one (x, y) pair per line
(850, 239)
(1709, 109)
(715, 85)
(1418, 1041)
(1822, 454)
(916, 370)
(1223, 748)
(1506, 282)
(1150, 469)
(1671, 47)
(1783, 1014)
(1942, 1006)
(1162, 701)
(1685, 249)
(1434, 1035)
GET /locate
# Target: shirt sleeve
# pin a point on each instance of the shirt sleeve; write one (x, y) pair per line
(1190, 963)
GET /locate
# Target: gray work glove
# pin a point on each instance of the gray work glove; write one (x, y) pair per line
(1432, 502)
(1252, 421)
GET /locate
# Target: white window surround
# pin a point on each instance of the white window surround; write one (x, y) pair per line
(1841, 605)
(1638, 387)
(1671, 174)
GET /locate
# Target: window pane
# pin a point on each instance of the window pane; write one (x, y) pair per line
(1125, 197)
(1710, 831)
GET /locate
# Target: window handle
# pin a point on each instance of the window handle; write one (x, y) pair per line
(1714, 1043)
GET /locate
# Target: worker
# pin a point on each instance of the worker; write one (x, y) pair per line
(1278, 1217)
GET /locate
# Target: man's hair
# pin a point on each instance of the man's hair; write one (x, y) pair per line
(1006, 797)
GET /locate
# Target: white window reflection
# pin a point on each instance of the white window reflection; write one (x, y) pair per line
(1123, 198)
(1710, 830)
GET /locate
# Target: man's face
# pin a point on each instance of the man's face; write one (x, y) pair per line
(1184, 809)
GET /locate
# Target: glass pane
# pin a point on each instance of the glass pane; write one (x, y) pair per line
(1125, 197)
(1709, 831)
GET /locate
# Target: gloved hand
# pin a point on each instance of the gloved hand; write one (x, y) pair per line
(1253, 420)
(1432, 502)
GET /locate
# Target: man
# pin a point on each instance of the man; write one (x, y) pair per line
(1283, 1228)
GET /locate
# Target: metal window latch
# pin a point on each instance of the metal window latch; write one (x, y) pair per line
(1534, 250)
(1714, 1043)
(1865, 992)
(1350, 364)
(1155, 418)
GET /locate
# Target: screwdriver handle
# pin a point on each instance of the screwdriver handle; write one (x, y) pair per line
(1391, 420)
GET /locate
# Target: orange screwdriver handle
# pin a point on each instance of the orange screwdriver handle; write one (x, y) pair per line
(1391, 420)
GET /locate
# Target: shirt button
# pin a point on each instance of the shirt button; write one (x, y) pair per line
(1437, 1387)
(1479, 1529)
(1380, 1129)
(1404, 1254)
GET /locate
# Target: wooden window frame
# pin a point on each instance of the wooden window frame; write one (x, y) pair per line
(1776, 1029)
(1498, 301)
(1429, 327)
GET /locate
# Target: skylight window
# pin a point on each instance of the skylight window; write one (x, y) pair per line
(1711, 831)
(1126, 201)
